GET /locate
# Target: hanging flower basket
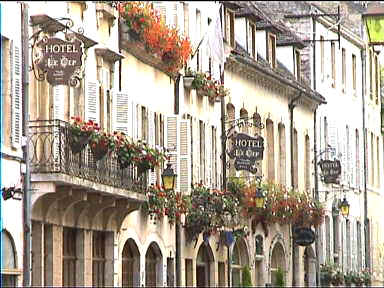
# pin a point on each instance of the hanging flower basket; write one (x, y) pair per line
(78, 141)
(143, 167)
(133, 35)
(188, 81)
(99, 150)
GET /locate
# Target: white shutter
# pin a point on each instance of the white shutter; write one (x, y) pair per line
(16, 91)
(121, 107)
(92, 101)
(171, 144)
(332, 132)
(134, 121)
(208, 154)
(185, 156)
(174, 14)
(58, 101)
(161, 8)
(151, 142)
(196, 155)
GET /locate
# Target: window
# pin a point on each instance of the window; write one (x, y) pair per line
(359, 250)
(343, 69)
(336, 238)
(188, 272)
(282, 154)
(322, 57)
(307, 170)
(229, 24)
(98, 258)
(327, 239)
(259, 245)
(270, 151)
(372, 161)
(214, 156)
(326, 137)
(333, 61)
(186, 19)
(295, 160)
(357, 157)
(8, 260)
(376, 79)
(252, 40)
(371, 74)
(354, 72)
(202, 151)
(348, 239)
(271, 48)
(144, 124)
(297, 65)
(377, 162)
(69, 257)
(170, 272)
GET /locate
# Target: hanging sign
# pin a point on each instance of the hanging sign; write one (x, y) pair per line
(246, 150)
(304, 236)
(61, 60)
(331, 170)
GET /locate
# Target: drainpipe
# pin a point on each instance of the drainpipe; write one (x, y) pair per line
(177, 95)
(27, 189)
(366, 221)
(291, 106)
(318, 230)
(177, 225)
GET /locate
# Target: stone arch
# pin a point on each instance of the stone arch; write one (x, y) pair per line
(9, 259)
(130, 270)
(153, 266)
(240, 258)
(309, 260)
(205, 266)
(277, 258)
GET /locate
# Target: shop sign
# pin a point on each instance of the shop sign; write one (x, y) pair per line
(331, 170)
(61, 60)
(246, 150)
(304, 236)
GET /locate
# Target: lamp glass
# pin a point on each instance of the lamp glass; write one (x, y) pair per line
(344, 208)
(259, 198)
(168, 177)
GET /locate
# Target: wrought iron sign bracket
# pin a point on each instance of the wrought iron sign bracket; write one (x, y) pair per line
(48, 25)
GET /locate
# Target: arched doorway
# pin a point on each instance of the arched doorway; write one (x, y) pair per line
(204, 266)
(309, 267)
(239, 260)
(130, 264)
(9, 279)
(277, 261)
(153, 266)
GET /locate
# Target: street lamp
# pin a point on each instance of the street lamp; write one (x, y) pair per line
(259, 198)
(169, 178)
(344, 207)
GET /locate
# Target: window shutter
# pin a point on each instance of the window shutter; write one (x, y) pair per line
(121, 113)
(16, 120)
(171, 141)
(139, 122)
(161, 7)
(92, 105)
(185, 158)
(332, 132)
(151, 142)
(174, 17)
(197, 149)
(208, 154)
(58, 102)
(134, 121)
(186, 19)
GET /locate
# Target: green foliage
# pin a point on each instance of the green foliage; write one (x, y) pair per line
(280, 278)
(247, 279)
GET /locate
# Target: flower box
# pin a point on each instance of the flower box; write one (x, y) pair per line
(188, 81)
(78, 141)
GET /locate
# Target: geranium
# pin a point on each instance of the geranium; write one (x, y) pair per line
(78, 127)
(125, 149)
(100, 143)
(158, 38)
(148, 158)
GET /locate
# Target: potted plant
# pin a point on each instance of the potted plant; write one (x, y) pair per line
(100, 143)
(188, 77)
(148, 158)
(246, 277)
(338, 278)
(327, 271)
(280, 278)
(125, 150)
(79, 133)
(358, 279)
(367, 277)
(348, 276)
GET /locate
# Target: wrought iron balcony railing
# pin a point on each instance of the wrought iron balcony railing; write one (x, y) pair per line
(50, 153)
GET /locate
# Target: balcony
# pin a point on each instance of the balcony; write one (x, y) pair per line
(52, 160)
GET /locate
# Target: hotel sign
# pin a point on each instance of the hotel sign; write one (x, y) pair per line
(60, 60)
(246, 150)
(331, 170)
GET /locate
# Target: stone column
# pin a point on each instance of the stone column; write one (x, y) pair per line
(312, 272)
(53, 246)
(37, 253)
(80, 271)
(87, 254)
(109, 258)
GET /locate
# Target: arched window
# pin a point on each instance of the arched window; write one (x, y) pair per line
(8, 260)
(153, 265)
(239, 260)
(130, 264)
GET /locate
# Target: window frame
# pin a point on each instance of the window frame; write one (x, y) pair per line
(271, 49)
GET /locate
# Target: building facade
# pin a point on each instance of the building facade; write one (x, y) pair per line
(88, 225)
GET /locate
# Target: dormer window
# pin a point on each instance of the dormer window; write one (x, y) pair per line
(229, 25)
(271, 48)
(252, 39)
(297, 64)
